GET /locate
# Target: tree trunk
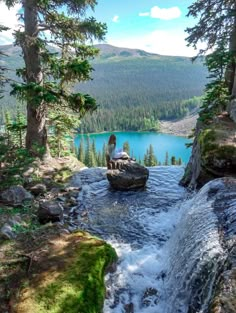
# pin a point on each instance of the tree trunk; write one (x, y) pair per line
(36, 135)
(230, 72)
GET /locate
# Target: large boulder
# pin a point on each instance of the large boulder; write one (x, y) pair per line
(127, 175)
(15, 195)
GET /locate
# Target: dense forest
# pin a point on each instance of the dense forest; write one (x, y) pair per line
(133, 89)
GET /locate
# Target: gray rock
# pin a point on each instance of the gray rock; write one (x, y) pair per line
(38, 189)
(15, 195)
(130, 175)
(232, 109)
(50, 211)
(7, 232)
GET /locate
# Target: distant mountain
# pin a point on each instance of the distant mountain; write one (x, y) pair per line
(131, 85)
(109, 51)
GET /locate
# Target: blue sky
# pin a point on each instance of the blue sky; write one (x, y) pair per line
(153, 25)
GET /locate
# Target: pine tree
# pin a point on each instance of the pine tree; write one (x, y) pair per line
(47, 73)
(126, 147)
(166, 163)
(173, 160)
(217, 28)
(104, 152)
(90, 159)
(180, 162)
(99, 159)
(146, 158)
(3, 69)
(152, 159)
(81, 153)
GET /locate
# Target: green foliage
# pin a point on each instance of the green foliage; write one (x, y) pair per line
(149, 157)
(81, 153)
(173, 160)
(126, 147)
(90, 155)
(14, 158)
(166, 159)
(151, 87)
(45, 85)
(217, 91)
(62, 125)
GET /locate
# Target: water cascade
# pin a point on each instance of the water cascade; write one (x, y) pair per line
(167, 241)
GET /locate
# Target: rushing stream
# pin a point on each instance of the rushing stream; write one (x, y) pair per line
(166, 239)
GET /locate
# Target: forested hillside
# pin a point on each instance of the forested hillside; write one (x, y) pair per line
(133, 88)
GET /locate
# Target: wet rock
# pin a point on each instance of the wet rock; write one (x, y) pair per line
(7, 232)
(150, 297)
(38, 189)
(128, 175)
(15, 195)
(50, 211)
(129, 308)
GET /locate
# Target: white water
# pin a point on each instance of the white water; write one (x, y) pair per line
(167, 242)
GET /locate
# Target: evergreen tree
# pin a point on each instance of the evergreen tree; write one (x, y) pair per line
(146, 158)
(173, 160)
(3, 69)
(151, 158)
(126, 147)
(166, 163)
(90, 159)
(104, 152)
(81, 153)
(217, 28)
(180, 162)
(99, 159)
(46, 73)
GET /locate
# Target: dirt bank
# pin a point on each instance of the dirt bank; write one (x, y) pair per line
(181, 127)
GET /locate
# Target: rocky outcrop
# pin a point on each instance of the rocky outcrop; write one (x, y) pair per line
(128, 175)
(224, 292)
(213, 154)
(15, 195)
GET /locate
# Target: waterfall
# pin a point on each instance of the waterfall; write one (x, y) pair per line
(167, 239)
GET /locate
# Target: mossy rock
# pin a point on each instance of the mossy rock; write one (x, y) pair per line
(70, 279)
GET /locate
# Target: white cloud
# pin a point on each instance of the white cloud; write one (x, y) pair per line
(115, 19)
(163, 14)
(8, 18)
(165, 42)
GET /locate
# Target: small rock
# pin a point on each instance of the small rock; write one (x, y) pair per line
(7, 232)
(38, 189)
(15, 195)
(50, 211)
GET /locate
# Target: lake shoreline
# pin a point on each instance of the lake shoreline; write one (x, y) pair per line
(181, 128)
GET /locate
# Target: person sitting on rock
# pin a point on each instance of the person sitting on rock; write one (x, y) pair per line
(114, 154)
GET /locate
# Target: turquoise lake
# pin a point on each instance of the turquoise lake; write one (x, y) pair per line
(140, 141)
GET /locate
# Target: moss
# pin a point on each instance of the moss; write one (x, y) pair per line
(75, 282)
(63, 175)
(206, 140)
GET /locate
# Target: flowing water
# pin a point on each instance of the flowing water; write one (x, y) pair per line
(167, 241)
